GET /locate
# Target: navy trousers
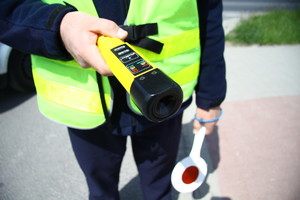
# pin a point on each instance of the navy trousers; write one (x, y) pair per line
(100, 153)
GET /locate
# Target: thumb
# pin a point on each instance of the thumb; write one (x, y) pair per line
(109, 28)
(197, 126)
(122, 34)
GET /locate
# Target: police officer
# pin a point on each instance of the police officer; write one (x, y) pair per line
(55, 32)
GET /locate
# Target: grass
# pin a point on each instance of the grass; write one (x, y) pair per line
(275, 27)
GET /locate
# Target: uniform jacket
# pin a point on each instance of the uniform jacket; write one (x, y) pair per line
(33, 27)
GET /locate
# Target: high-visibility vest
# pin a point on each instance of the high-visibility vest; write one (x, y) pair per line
(69, 94)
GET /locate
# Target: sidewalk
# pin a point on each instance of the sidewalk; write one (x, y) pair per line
(253, 155)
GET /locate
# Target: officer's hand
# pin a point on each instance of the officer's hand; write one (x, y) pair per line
(79, 33)
(211, 114)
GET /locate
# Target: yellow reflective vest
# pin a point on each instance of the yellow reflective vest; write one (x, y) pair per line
(69, 94)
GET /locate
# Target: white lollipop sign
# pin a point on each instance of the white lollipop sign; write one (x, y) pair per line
(189, 173)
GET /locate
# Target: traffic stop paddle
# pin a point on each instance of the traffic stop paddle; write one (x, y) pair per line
(189, 173)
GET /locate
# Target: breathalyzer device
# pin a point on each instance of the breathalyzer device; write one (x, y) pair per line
(155, 94)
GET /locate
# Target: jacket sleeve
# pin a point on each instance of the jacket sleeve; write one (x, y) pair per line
(33, 27)
(211, 87)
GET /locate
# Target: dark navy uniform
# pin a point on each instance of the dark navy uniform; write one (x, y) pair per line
(33, 27)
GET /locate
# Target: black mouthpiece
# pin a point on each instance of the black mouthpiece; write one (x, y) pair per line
(156, 95)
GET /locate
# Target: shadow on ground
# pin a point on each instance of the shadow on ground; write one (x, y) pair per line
(11, 98)
(210, 152)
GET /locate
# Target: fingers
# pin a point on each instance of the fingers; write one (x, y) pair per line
(209, 115)
(109, 28)
(209, 127)
(79, 33)
(97, 62)
(197, 126)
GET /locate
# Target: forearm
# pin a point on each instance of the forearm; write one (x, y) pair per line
(33, 27)
(211, 88)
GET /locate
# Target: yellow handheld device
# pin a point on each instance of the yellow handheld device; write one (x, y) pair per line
(155, 94)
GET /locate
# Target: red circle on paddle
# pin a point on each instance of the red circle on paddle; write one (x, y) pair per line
(190, 174)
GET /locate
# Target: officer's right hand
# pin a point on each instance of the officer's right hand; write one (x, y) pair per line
(79, 33)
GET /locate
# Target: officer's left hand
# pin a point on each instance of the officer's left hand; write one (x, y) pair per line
(210, 114)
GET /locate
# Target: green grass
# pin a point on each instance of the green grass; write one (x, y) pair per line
(275, 27)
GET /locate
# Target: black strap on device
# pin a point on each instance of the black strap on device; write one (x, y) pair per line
(137, 36)
(103, 102)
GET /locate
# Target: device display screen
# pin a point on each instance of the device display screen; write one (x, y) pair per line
(134, 63)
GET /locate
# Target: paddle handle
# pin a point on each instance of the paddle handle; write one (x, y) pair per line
(197, 143)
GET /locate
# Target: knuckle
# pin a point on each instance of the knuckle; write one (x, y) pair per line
(104, 71)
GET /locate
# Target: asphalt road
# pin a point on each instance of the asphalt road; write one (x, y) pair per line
(36, 158)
